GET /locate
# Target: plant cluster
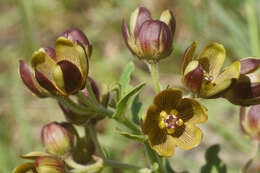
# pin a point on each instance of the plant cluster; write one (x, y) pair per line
(171, 121)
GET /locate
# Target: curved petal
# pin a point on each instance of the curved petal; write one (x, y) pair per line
(191, 111)
(162, 143)
(150, 119)
(72, 52)
(168, 99)
(249, 65)
(188, 56)
(30, 81)
(128, 39)
(25, 167)
(212, 58)
(168, 18)
(34, 155)
(190, 138)
(44, 67)
(73, 80)
(223, 81)
(138, 17)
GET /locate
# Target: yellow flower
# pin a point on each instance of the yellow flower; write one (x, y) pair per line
(171, 121)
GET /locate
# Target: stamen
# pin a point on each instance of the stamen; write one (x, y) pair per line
(170, 121)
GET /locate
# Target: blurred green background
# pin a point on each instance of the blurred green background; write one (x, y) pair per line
(25, 25)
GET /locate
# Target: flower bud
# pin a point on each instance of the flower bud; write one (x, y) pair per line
(149, 39)
(250, 121)
(57, 139)
(49, 164)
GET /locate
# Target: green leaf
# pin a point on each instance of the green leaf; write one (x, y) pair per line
(123, 102)
(137, 110)
(213, 163)
(140, 138)
(125, 78)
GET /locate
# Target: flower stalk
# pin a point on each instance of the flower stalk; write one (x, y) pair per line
(153, 68)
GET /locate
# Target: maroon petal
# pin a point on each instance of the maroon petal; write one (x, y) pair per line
(143, 15)
(73, 80)
(193, 79)
(249, 65)
(94, 87)
(51, 52)
(45, 82)
(75, 34)
(188, 55)
(28, 79)
(149, 36)
(172, 24)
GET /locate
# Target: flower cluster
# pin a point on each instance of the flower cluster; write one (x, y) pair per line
(171, 121)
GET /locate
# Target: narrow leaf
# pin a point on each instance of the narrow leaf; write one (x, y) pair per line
(123, 102)
(137, 110)
(125, 77)
(140, 138)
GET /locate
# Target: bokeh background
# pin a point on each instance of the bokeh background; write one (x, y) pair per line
(25, 25)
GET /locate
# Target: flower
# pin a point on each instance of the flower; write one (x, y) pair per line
(58, 138)
(171, 121)
(201, 75)
(59, 71)
(250, 121)
(149, 39)
(246, 89)
(43, 163)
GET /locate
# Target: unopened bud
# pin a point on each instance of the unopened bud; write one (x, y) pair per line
(56, 139)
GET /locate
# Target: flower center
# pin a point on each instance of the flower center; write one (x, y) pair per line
(169, 121)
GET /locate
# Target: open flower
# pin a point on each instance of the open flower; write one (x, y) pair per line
(171, 121)
(149, 39)
(201, 75)
(246, 90)
(59, 71)
(250, 121)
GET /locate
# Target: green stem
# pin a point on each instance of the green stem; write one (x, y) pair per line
(130, 125)
(253, 27)
(154, 158)
(153, 67)
(91, 93)
(78, 168)
(93, 135)
(76, 108)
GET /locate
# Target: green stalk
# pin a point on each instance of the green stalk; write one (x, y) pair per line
(90, 129)
(76, 108)
(78, 168)
(153, 67)
(253, 27)
(154, 158)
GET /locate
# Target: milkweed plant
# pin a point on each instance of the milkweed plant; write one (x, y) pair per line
(171, 121)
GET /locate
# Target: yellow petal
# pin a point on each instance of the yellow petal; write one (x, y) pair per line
(74, 53)
(163, 144)
(223, 81)
(190, 137)
(188, 55)
(168, 99)
(212, 58)
(192, 112)
(25, 167)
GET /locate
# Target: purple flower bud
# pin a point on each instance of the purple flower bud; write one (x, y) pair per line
(149, 39)
(58, 140)
(250, 121)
